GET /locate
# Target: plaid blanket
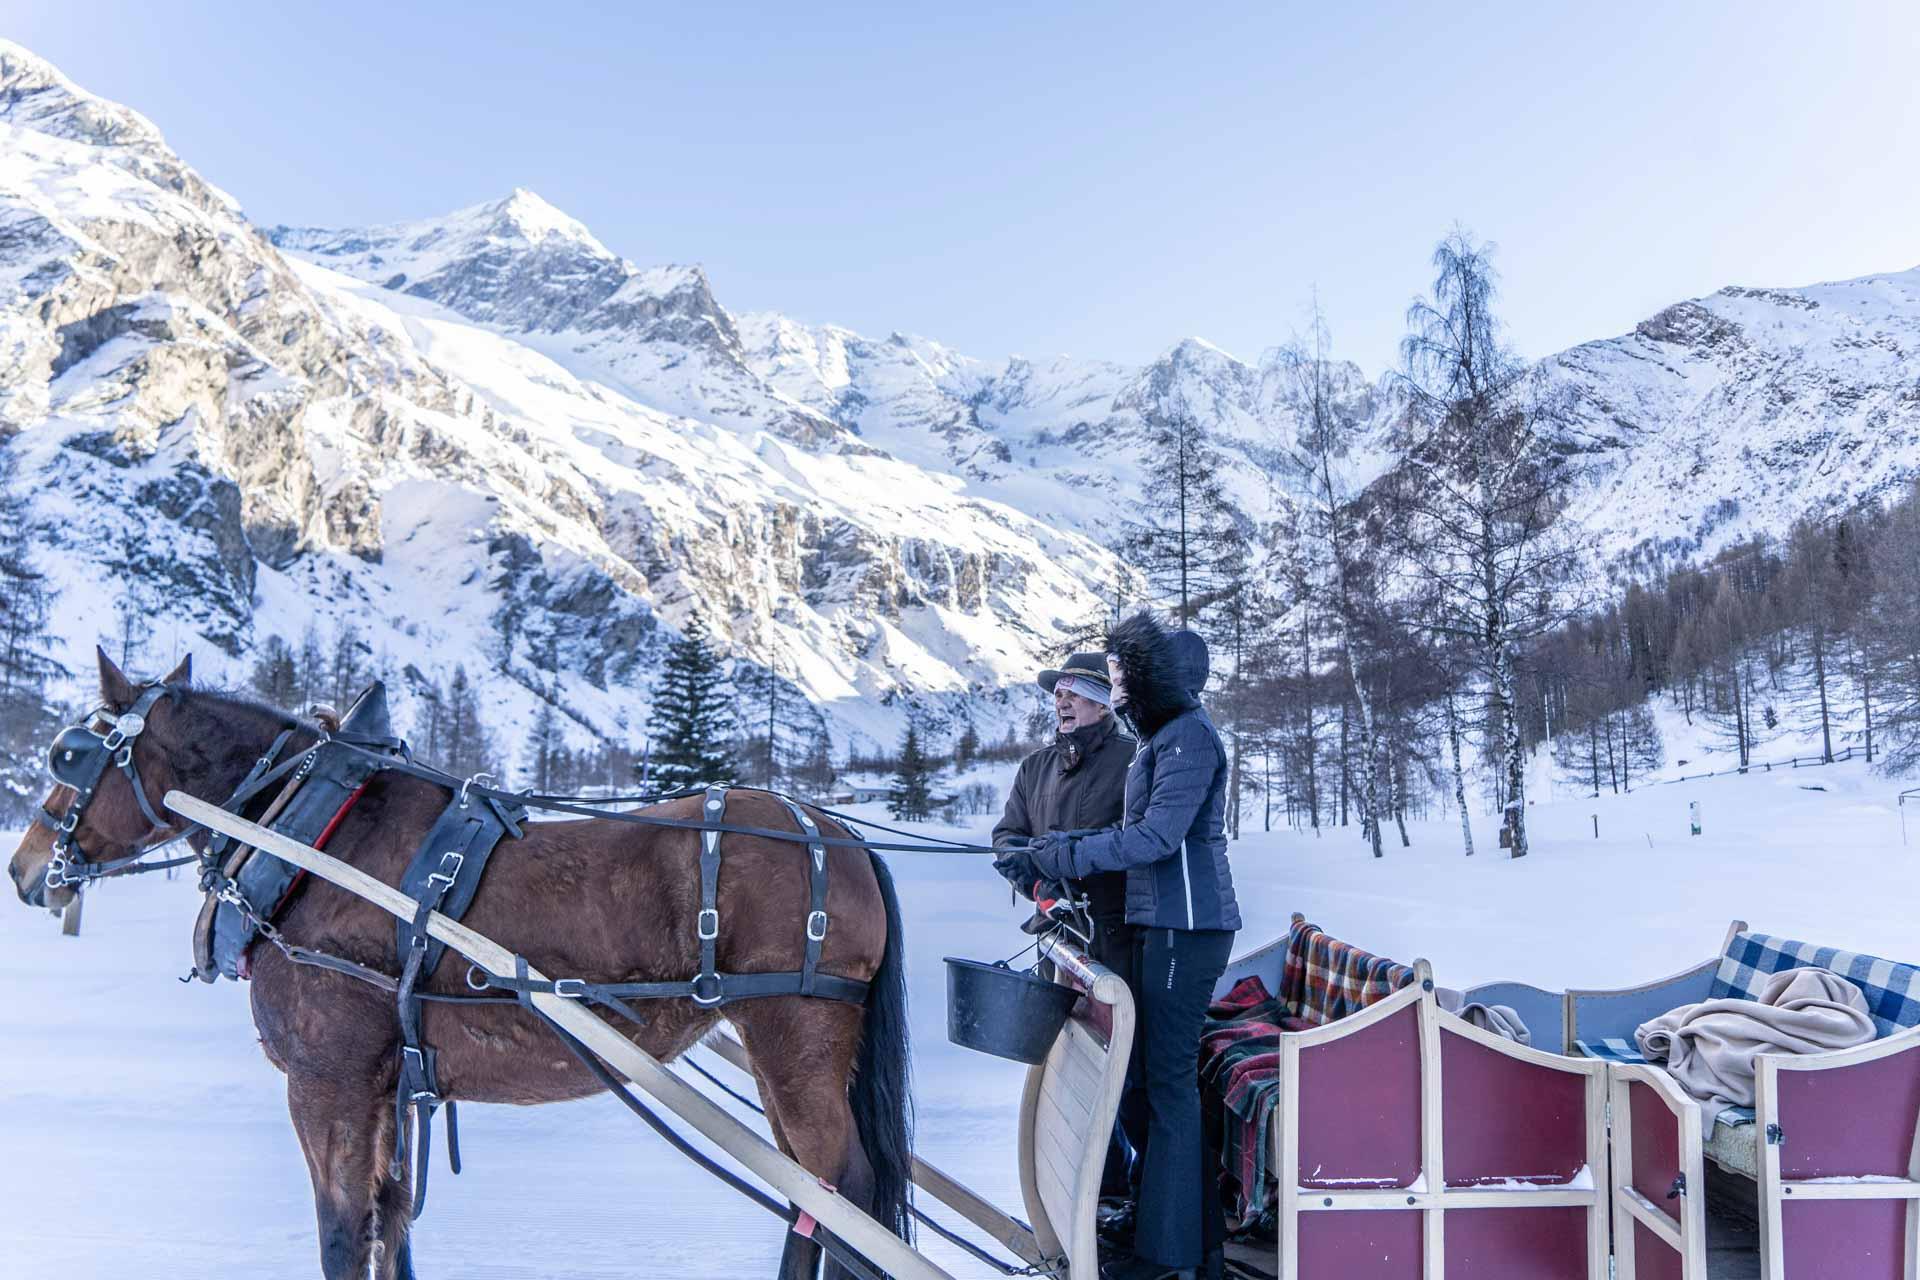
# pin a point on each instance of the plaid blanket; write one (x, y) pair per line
(1240, 1067)
(1322, 979)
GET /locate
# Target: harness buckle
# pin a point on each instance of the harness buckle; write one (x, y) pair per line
(459, 860)
(128, 726)
(481, 985)
(570, 988)
(56, 873)
(817, 927)
(124, 756)
(708, 925)
(71, 822)
(713, 981)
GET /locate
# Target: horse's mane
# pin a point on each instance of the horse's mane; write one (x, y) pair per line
(198, 697)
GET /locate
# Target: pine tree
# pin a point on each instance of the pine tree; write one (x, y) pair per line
(275, 679)
(693, 724)
(816, 774)
(346, 667)
(27, 664)
(967, 749)
(913, 783)
(312, 666)
(468, 750)
(546, 750)
(1185, 530)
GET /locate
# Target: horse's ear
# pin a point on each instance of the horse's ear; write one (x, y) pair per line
(181, 675)
(115, 689)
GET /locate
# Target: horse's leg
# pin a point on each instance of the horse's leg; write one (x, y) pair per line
(800, 1258)
(344, 1131)
(393, 1211)
(803, 1068)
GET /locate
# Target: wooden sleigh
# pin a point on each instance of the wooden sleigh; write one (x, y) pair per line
(1408, 1142)
(1832, 1150)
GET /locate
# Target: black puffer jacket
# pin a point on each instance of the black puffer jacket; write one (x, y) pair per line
(1075, 782)
(1172, 842)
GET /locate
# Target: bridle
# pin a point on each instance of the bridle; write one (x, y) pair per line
(80, 757)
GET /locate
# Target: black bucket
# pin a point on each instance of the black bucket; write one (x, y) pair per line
(1000, 1010)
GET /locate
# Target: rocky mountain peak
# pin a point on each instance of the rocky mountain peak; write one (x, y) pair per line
(35, 95)
(524, 214)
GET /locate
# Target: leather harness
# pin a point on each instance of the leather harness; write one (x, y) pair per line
(247, 888)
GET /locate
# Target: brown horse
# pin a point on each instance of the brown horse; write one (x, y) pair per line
(597, 898)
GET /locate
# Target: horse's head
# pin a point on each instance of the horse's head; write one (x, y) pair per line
(93, 812)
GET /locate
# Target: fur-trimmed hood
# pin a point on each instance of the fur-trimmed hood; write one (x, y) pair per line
(1162, 670)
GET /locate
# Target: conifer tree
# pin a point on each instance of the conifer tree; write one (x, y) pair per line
(913, 782)
(1185, 531)
(468, 750)
(27, 664)
(546, 750)
(966, 749)
(275, 678)
(693, 722)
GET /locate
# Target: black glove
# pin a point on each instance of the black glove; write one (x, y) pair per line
(1016, 864)
(1052, 854)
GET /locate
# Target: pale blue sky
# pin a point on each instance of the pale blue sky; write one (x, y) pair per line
(1098, 180)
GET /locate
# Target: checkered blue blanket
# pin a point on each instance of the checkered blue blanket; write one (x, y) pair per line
(1892, 989)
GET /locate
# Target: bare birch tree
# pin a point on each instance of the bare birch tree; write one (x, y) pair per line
(1477, 503)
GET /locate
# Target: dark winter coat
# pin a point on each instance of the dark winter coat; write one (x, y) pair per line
(1076, 782)
(1172, 842)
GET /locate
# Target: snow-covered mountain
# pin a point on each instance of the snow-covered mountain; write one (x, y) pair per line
(247, 443)
(1741, 412)
(487, 438)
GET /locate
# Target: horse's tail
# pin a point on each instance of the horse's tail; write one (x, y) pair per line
(882, 1093)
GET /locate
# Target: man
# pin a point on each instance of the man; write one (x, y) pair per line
(1078, 783)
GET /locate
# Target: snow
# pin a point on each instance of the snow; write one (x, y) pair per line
(148, 1093)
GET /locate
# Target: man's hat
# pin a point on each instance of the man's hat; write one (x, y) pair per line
(1081, 668)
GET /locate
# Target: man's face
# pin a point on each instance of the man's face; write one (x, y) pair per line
(1075, 711)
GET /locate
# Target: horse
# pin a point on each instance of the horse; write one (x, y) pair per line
(607, 900)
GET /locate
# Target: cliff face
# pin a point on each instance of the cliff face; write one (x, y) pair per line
(513, 451)
(487, 439)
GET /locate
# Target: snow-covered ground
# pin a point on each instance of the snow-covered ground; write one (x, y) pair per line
(145, 1135)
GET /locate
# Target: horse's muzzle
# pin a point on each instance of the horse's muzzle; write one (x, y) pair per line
(33, 891)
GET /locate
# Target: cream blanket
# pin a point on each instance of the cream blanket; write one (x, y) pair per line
(1710, 1047)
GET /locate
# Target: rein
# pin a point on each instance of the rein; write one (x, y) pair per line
(572, 805)
(82, 753)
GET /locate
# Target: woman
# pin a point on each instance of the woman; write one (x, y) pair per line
(1172, 845)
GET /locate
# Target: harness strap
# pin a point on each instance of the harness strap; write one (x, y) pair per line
(731, 986)
(444, 876)
(706, 987)
(816, 897)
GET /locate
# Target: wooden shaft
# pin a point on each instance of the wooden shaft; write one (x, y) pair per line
(788, 1179)
(940, 1185)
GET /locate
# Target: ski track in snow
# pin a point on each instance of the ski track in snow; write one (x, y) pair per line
(146, 1135)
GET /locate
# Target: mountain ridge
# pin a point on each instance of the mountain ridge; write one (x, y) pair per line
(495, 439)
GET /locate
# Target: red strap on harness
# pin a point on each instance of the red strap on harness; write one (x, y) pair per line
(245, 966)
